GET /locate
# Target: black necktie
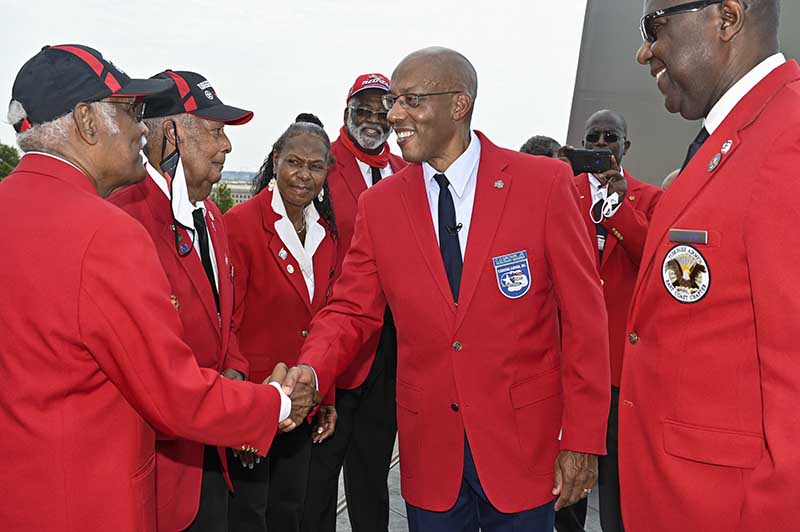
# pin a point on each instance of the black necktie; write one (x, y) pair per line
(448, 236)
(205, 254)
(376, 174)
(694, 147)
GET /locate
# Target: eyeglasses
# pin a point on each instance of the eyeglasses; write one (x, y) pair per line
(410, 99)
(135, 109)
(610, 136)
(647, 28)
(362, 113)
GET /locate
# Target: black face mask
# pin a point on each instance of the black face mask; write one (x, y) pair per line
(169, 168)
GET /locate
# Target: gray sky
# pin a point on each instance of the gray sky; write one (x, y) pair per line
(281, 58)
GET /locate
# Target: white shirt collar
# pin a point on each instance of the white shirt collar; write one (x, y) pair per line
(54, 157)
(302, 253)
(182, 207)
(734, 95)
(458, 173)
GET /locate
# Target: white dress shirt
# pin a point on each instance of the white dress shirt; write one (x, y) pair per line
(463, 178)
(734, 95)
(302, 252)
(182, 209)
(366, 171)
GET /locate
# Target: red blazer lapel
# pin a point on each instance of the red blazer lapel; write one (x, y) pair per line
(191, 263)
(285, 262)
(486, 213)
(709, 160)
(415, 200)
(349, 170)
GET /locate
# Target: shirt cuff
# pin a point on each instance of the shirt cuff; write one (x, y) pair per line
(286, 402)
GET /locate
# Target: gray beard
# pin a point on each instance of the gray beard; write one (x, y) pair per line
(366, 142)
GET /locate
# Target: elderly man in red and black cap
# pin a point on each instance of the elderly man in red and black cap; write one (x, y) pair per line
(365, 417)
(92, 353)
(186, 150)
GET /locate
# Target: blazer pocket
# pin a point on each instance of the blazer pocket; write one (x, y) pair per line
(536, 389)
(143, 488)
(712, 445)
(409, 435)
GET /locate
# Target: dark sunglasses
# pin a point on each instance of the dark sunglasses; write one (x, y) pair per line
(410, 99)
(362, 113)
(647, 28)
(610, 136)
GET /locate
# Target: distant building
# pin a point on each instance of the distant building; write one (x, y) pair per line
(239, 184)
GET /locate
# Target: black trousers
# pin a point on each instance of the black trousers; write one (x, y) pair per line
(212, 514)
(271, 496)
(572, 518)
(610, 509)
(363, 442)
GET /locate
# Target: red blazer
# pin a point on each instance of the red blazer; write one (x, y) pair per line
(492, 366)
(627, 231)
(93, 362)
(346, 183)
(179, 462)
(709, 418)
(272, 312)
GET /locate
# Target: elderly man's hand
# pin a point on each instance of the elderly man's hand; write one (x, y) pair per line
(301, 386)
(576, 474)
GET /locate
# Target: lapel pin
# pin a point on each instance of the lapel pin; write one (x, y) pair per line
(174, 299)
(290, 268)
(499, 184)
(184, 247)
(226, 260)
(727, 147)
(631, 197)
(282, 254)
(211, 215)
(714, 162)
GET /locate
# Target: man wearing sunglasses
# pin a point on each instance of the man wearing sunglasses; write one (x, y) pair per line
(478, 250)
(186, 150)
(92, 353)
(366, 423)
(709, 423)
(619, 235)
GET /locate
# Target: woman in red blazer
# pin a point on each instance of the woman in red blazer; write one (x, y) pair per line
(283, 245)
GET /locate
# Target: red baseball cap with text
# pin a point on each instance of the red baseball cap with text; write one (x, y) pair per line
(366, 82)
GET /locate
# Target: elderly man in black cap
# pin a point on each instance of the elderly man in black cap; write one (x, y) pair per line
(92, 356)
(186, 149)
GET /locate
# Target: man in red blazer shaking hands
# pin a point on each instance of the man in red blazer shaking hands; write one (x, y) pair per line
(476, 249)
(92, 356)
(186, 150)
(709, 424)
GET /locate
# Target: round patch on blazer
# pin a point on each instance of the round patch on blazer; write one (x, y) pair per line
(686, 274)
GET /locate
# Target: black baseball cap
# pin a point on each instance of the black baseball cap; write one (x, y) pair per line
(192, 93)
(58, 78)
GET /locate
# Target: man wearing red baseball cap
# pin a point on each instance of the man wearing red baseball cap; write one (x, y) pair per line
(92, 356)
(364, 415)
(185, 151)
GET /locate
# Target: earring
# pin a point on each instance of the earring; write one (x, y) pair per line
(271, 184)
(321, 195)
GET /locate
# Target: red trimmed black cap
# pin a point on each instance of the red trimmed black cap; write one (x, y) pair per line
(192, 93)
(58, 78)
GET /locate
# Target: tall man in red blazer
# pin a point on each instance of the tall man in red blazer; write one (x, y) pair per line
(367, 422)
(619, 239)
(485, 383)
(92, 356)
(709, 424)
(186, 148)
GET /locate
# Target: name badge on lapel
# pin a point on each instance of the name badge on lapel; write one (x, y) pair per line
(513, 274)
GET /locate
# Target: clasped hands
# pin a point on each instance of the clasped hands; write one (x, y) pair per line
(300, 384)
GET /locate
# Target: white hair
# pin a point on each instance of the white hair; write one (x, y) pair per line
(46, 137)
(155, 125)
